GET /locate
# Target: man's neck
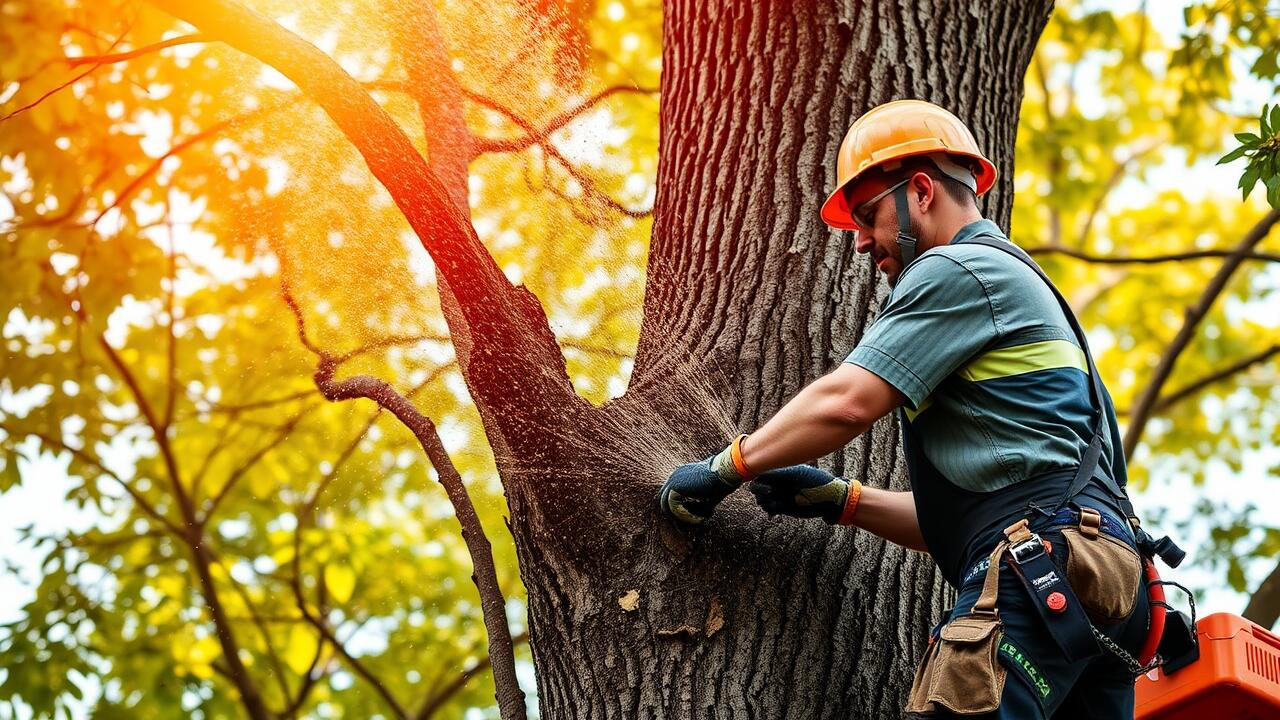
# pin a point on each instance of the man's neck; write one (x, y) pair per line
(947, 229)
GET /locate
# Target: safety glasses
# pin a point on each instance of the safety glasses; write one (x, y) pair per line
(861, 213)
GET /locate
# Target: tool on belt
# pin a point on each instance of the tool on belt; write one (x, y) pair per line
(1170, 631)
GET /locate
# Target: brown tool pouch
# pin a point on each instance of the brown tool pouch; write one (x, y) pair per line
(961, 671)
(1103, 571)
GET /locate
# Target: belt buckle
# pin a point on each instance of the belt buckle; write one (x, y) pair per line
(1028, 549)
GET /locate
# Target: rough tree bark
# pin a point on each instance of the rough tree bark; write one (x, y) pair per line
(749, 297)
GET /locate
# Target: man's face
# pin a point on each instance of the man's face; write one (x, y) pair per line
(878, 220)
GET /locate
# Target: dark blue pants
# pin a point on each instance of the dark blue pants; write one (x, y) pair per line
(1041, 683)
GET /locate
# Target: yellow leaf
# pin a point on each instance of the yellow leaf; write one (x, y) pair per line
(301, 648)
(340, 580)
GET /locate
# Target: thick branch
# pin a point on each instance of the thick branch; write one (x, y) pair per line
(494, 310)
(1146, 401)
(1264, 604)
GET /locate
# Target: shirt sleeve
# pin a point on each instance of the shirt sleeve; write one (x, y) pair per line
(936, 320)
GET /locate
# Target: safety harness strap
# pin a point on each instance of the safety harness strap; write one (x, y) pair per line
(1056, 603)
(906, 241)
(1092, 454)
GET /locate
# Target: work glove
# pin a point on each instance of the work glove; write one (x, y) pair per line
(802, 491)
(692, 491)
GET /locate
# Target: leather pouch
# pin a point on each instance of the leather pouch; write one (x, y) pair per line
(961, 671)
(1104, 572)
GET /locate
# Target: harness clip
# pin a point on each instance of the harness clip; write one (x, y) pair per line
(1027, 550)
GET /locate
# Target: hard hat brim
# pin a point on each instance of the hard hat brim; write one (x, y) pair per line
(837, 213)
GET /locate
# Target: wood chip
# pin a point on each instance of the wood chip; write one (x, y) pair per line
(630, 601)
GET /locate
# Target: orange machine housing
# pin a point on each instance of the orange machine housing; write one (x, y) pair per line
(1236, 678)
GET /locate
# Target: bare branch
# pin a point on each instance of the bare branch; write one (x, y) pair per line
(1148, 259)
(137, 497)
(64, 85)
(1151, 392)
(484, 574)
(1215, 377)
(438, 698)
(1117, 174)
(538, 135)
(138, 52)
(243, 118)
(588, 185)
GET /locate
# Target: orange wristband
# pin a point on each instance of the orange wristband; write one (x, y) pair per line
(851, 503)
(735, 452)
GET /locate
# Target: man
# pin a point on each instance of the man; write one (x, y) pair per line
(1007, 430)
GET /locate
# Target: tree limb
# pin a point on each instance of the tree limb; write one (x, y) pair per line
(484, 574)
(493, 309)
(1217, 376)
(66, 84)
(1148, 259)
(437, 699)
(138, 52)
(588, 185)
(1264, 603)
(1146, 400)
(539, 135)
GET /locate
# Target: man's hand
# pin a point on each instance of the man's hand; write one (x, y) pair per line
(693, 491)
(801, 491)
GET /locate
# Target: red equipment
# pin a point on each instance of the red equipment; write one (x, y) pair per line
(1236, 678)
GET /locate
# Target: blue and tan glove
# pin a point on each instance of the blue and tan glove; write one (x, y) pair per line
(804, 491)
(692, 491)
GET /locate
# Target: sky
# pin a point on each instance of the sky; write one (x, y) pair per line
(40, 502)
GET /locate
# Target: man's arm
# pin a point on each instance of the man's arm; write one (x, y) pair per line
(822, 418)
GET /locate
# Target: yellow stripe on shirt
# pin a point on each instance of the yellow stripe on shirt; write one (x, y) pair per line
(1021, 359)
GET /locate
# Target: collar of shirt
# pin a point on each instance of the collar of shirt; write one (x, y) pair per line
(976, 228)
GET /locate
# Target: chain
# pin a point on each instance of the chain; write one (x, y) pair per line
(1132, 663)
(1134, 666)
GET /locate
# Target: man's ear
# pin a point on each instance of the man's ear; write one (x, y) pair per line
(924, 187)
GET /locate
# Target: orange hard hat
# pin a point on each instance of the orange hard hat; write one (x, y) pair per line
(890, 132)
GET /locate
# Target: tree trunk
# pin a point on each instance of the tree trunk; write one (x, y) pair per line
(749, 298)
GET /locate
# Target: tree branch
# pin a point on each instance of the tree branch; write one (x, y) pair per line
(1148, 259)
(1264, 603)
(138, 52)
(1146, 400)
(494, 310)
(234, 477)
(437, 699)
(214, 129)
(539, 135)
(484, 574)
(66, 84)
(588, 185)
(1190, 389)
(137, 497)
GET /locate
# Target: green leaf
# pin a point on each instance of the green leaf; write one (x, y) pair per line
(1248, 139)
(1275, 119)
(1273, 191)
(1249, 179)
(1262, 123)
(1233, 155)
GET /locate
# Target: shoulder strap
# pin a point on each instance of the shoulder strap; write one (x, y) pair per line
(1089, 461)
